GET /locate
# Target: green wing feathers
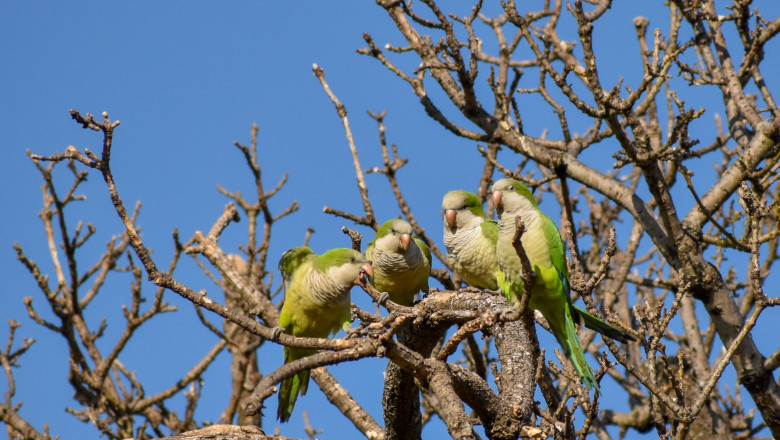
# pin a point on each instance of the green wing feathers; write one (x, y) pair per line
(564, 331)
(490, 230)
(427, 265)
(557, 252)
(424, 248)
(602, 327)
(292, 386)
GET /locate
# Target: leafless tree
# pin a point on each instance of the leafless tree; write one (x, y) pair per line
(717, 255)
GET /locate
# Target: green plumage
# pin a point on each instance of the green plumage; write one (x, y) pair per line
(316, 304)
(550, 292)
(292, 259)
(470, 238)
(602, 327)
(401, 263)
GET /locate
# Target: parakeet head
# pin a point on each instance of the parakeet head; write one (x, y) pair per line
(510, 195)
(345, 266)
(292, 259)
(394, 235)
(461, 209)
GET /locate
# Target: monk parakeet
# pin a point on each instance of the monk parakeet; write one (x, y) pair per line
(401, 263)
(470, 238)
(316, 304)
(550, 290)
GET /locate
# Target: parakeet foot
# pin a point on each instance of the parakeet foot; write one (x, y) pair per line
(277, 331)
(383, 297)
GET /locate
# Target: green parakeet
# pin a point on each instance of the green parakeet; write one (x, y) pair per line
(470, 238)
(316, 304)
(401, 263)
(550, 291)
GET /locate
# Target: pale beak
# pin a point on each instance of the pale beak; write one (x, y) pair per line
(367, 271)
(497, 195)
(449, 216)
(405, 239)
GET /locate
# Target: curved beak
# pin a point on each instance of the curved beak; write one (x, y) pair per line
(405, 239)
(497, 195)
(366, 271)
(449, 217)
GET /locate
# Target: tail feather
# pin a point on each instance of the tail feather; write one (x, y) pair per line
(292, 386)
(602, 327)
(566, 334)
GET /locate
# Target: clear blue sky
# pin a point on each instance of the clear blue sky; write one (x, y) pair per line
(187, 79)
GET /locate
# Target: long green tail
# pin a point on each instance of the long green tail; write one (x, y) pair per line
(292, 386)
(602, 327)
(564, 331)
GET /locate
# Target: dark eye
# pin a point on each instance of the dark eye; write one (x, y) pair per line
(352, 259)
(393, 231)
